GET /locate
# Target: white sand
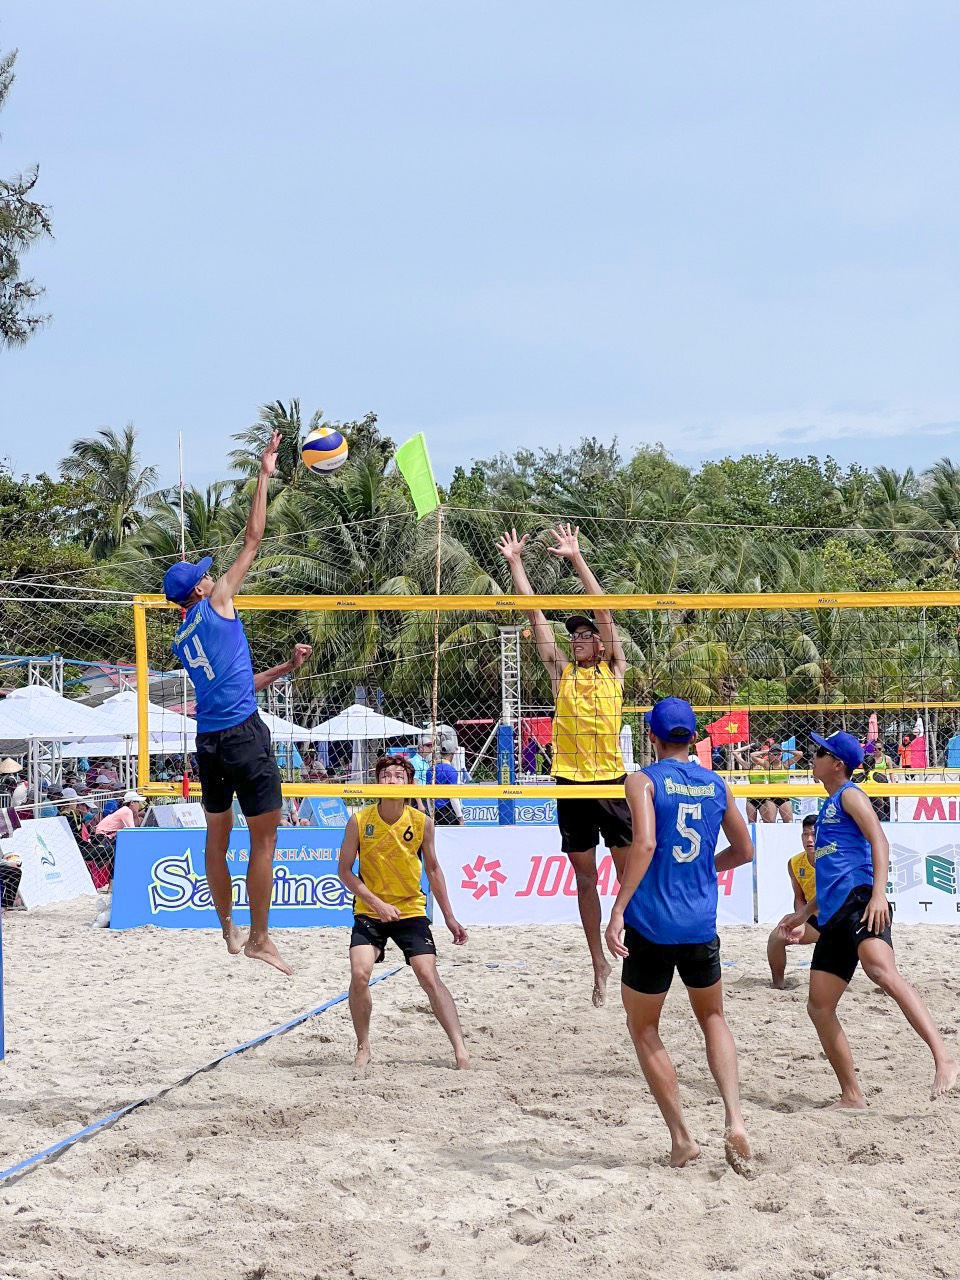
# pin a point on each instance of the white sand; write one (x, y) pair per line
(548, 1159)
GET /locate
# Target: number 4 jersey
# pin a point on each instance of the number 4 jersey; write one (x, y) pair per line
(677, 899)
(216, 654)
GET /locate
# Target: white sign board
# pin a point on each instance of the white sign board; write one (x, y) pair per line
(519, 875)
(53, 870)
(924, 871)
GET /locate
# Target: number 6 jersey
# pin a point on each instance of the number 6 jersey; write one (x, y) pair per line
(216, 655)
(676, 900)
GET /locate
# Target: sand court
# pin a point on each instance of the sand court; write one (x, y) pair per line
(548, 1156)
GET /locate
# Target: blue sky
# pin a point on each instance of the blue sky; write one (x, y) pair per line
(723, 225)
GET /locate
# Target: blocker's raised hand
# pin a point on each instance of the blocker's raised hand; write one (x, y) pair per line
(268, 461)
(301, 652)
(566, 541)
(510, 546)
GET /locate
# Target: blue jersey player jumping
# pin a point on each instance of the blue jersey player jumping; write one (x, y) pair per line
(665, 918)
(234, 755)
(851, 864)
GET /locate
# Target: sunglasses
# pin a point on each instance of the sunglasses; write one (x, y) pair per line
(822, 751)
(583, 635)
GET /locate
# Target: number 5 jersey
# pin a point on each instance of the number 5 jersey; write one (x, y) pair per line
(215, 652)
(676, 901)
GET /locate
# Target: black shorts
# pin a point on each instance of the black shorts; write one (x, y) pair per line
(759, 801)
(583, 822)
(240, 761)
(445, 816)
(838, 947)
(649, 966)
(814, 923)
(412, 935)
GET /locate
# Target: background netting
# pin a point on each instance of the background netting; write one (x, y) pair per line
(792, 669)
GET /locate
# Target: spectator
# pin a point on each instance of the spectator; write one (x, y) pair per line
(129, 814)
(70, 809)
(873, 772)
(19, 797)
(446, 813)
(903, 751)
(102, 845)
(44, 806)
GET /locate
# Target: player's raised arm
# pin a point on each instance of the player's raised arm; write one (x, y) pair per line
(226, 587)
(567, 546)
(301, 652)
(511, 548)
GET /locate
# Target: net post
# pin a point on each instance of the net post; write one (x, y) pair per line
(143, 691)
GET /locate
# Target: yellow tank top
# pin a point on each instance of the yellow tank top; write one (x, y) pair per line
(586, 726)
(391, 860)
(803, 869)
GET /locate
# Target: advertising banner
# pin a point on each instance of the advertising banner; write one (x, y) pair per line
(924, 871)
(160, 879)
(53, 870)
(520, 876)
(928, 808)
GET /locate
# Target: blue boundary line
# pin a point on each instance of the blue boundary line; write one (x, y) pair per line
(17, 1171)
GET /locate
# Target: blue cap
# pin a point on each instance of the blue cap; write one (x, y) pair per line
(842, 745)
(672, 720)
(181, 578)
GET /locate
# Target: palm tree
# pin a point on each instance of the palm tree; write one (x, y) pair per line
(109, 465)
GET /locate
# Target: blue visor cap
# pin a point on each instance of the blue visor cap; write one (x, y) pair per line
(672, 720)
(181, 578)
(842, 745)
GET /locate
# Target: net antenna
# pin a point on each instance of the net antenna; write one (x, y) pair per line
(183, 556)
(435, 690)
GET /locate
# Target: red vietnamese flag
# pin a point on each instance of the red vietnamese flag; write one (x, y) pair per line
(734, 727)
(705, 753)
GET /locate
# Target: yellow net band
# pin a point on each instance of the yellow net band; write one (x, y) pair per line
(495, 791)
(509, 603)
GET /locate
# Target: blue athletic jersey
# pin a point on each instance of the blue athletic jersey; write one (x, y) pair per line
(445, 773)
(676, 900)
(842, 858)
(216, 655)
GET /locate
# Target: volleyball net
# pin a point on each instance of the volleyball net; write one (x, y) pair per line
(777, 631)
(460, 677)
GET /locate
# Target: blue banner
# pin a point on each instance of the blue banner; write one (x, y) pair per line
(159, 879)
(486, 813)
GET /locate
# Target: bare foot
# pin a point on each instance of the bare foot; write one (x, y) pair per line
(779, 984)
(233, 938)
(463, 1060)
(945, 1079)
(266, 951)
(361, 1061)
(684, 1153)
(848, 1104)
(600, 977)
(736, 1148)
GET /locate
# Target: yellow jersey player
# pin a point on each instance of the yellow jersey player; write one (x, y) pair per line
(394, 843)
(588, 691)
(802, 875)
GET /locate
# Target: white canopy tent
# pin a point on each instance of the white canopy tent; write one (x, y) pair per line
(41, 719)
(282, 730)
(36, 711)
(360, 725)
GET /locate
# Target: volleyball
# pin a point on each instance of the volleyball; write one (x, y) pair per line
(324, 450)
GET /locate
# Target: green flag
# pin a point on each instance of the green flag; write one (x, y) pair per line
(413, 463)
